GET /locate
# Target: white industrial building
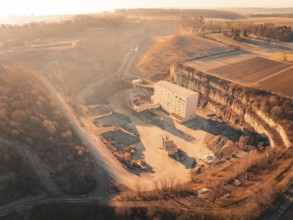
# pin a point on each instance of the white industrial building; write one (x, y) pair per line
(179, 102)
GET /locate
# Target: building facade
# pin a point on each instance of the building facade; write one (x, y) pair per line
(179, 102)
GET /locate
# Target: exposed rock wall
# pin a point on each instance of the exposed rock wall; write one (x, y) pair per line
(243, 107)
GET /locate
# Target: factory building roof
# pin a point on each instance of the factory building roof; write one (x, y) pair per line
(176, 88)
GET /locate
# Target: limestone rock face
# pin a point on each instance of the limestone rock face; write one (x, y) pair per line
(243, 107)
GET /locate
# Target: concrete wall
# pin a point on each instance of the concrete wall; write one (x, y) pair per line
(191, 106)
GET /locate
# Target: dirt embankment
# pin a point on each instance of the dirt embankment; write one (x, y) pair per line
(245, 108)
(166, 51)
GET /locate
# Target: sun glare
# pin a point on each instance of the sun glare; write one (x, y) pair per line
(46, 7)
(35, 7)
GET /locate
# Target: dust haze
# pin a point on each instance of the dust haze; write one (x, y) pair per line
(147, 114)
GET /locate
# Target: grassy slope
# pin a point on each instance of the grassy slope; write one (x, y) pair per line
(155, 63)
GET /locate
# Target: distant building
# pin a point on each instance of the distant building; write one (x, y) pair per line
(179, 102)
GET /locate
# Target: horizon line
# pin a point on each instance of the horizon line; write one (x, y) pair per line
(112, 10)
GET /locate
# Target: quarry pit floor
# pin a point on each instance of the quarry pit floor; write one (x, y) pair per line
(150, 127)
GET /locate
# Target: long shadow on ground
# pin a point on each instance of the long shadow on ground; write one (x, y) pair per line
(188, 162)
(214, 127)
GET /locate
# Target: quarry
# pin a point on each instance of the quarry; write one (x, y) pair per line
(136, 140)
(217, 89)
(137, 122)
(156, 114)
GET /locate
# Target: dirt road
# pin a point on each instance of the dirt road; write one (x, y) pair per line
(146, 181)
(99, 150)
(101, 154)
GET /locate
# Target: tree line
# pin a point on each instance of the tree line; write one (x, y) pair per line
(237, 29)
(50, 29)
(29, 115)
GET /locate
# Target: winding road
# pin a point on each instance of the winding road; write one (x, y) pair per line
(109, 168)
(84, 129)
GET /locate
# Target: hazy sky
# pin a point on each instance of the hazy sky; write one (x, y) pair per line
(21, 7)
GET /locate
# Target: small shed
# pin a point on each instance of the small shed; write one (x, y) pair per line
(169, 146)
